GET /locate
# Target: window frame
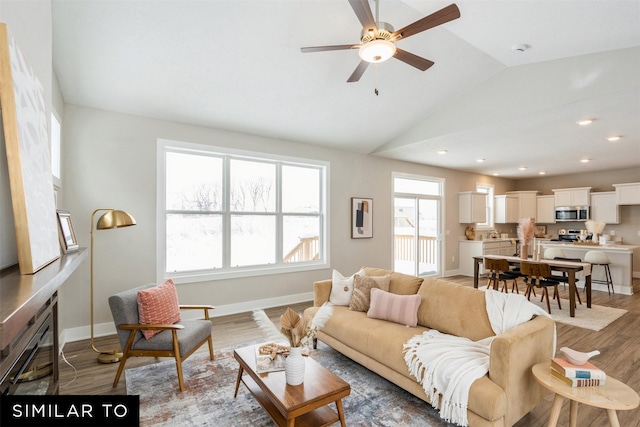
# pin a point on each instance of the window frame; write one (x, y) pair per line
(228, 272)
(490, 224)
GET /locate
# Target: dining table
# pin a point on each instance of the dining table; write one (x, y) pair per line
(569, 267)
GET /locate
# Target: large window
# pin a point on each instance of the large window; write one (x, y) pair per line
(226, 213)
(417, 225)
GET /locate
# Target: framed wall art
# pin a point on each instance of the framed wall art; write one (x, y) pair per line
(26, 136)
(66, 233)
(361, 218)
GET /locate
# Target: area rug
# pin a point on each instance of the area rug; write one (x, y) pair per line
(595, 318)
(209, 385)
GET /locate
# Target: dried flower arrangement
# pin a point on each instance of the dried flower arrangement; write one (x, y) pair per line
(526, 230)
(297, 330)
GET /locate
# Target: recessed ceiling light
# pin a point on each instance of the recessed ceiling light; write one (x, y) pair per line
(496, 174)
(542, 173)
(585, 122)
(613, 138)
(585, 160)
(442, 151)
(522, 168)
(519, 48)
(479, 160)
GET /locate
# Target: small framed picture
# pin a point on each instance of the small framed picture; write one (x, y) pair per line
(361, 218)
(68, 240)
(540, 231)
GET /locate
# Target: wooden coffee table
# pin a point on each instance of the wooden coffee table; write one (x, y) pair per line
(302, 405)
(612, 396)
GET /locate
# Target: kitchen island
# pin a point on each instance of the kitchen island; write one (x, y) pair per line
(620, 256)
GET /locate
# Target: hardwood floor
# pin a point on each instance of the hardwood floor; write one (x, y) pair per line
(619, 344)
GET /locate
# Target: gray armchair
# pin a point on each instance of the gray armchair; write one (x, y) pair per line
(179, 340)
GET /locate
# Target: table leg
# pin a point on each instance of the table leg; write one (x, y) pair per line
(587, 287)
(613, 418)
(555, 411)
(476, 272)
(291, 423)
(240, 370)
(573, 413)
(340, 412)
(572, 293)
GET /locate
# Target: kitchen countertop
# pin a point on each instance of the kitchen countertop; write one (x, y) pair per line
(612, 247)
(489, 240)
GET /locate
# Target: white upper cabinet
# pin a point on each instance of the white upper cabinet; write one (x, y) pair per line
(604, 207)
(526, 203)
(572, 196)
(545, 209)
(506, 208)
(628, 194)
(473, 207)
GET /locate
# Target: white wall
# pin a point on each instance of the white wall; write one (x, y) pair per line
(109, 161)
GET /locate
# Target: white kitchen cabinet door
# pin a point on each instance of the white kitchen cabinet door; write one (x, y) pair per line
(604, 207)
(545, 210)
(472, 207)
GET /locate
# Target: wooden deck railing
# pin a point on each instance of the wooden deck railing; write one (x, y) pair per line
(404, 248)
(306, 250)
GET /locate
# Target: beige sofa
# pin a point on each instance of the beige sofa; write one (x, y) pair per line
(500, 398)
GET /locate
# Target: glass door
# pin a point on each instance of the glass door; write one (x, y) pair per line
(417, 226)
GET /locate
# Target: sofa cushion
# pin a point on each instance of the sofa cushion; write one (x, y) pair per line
(454, 309)
(342, 287)
(158, 305)
(401, 309)
(362, 285)
(401, 284)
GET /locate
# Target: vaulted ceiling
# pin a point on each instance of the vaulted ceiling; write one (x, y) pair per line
(237, 65)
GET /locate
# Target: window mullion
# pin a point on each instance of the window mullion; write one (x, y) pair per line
(279, 218)
(226, 216)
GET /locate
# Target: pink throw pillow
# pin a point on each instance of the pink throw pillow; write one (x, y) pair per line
(401, 309)
(158, 305)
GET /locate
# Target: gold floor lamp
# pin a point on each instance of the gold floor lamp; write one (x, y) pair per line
(111, 219)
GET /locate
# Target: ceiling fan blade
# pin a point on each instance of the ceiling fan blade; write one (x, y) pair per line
(440, 17)
(359, 71)
(364, 14)
(414, 60)
(326, 48)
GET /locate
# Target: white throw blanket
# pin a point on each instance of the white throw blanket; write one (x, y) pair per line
(446, 365)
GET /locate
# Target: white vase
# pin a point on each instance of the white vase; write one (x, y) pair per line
(294, 366)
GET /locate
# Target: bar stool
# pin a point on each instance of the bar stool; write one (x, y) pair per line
(553, 253)
(600, 258)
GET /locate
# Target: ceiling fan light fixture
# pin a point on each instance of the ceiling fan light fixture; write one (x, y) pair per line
(377, 51)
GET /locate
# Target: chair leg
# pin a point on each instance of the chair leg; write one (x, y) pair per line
(210, 340)
(515, 286)
(558, 294)
(125, 356)
(546, 293)
(607, 275)
(176, 350)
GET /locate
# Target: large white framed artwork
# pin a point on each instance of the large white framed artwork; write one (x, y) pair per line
(24, 123)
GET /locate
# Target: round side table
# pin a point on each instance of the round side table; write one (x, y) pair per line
(612, 396)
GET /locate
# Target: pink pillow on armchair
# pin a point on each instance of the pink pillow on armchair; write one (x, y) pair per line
(401, 309)
(158, 305)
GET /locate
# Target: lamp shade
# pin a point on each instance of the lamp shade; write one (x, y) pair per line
(115, 219)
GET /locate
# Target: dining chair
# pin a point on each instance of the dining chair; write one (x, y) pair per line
(564, 278)
(537, 273)
(499, 273)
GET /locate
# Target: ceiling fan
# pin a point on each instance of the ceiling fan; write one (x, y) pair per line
(378, 39)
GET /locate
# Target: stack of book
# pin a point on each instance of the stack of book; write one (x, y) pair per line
(586, 375)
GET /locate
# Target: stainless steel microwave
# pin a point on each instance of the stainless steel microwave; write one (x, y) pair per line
(572, 213)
